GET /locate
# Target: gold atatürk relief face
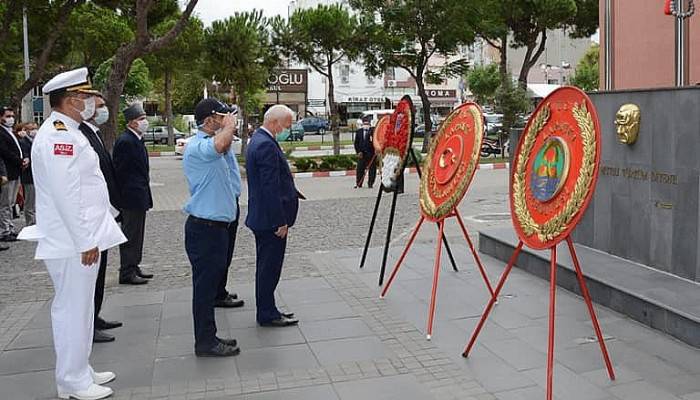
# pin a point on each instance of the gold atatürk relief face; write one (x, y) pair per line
(627, 122)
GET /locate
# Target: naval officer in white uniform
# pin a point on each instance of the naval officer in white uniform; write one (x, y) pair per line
(74, 223)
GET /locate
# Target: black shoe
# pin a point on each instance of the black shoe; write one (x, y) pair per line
(288, 314)
(101, 337)
(280, 322)
(132, 279)
(220, 350)
(3, 248)
(229, 302)
(143, 275)
(228, 342)
(9, 238)
(104, 325)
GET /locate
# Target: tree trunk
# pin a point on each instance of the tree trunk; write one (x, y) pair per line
(531, 59)
(243, 112)
(426, 113)
(113, 90)
(168, 78)
(503, 64)
(335, 118)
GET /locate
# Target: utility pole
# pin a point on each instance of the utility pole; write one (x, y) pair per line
(27, 113)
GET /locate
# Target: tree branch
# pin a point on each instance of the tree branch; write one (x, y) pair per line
(169, 37)
(493, 44)
(11, 6)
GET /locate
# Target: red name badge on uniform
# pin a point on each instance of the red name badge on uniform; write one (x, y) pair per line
(63, 149)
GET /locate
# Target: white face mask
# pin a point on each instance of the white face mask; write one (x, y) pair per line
(101, 115)
(88, 108)
(9, 122)
(142, 126)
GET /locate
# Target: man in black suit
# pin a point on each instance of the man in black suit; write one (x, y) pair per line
(132, 172)
(91, 132)
(364, 147)
(3, 180)
(11, 153)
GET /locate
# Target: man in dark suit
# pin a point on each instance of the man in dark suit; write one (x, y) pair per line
(273, 202)
(3, 180)
(132, 172)
(364, 147)
(91, 132)
(11, 153)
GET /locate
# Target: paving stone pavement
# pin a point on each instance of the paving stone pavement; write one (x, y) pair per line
(350, 344)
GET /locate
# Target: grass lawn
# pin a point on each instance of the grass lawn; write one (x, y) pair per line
(492, 160)
(159, 147)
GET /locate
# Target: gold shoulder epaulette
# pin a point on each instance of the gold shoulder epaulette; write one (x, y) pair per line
(59, 125)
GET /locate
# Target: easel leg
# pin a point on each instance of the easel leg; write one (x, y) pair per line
(591, 310)
(552, 300)
(482, 270)
(403, 255)
(436, 274)
(371, 226)
(444, 238)
(489, 306)
(388, 237)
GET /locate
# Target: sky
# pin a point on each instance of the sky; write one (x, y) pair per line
(211, 10)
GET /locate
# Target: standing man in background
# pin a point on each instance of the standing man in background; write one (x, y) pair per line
(214, 181)
(26, 135)
(132, 173)
(91, 132)
(11, 153)
(74, 223)
(273, 203)
(364, 147)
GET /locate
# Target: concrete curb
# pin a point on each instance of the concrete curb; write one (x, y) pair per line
(161, 154)
(326, 174)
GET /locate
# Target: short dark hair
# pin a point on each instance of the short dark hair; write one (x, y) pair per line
(55, 98)
(5, 109)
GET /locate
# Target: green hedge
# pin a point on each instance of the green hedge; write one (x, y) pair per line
(341, 162)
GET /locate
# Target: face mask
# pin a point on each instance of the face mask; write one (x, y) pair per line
(88, 108)
(9, 122)
(143, 125)
(101, 115)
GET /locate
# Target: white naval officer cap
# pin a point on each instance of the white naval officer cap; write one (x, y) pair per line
(76, 80)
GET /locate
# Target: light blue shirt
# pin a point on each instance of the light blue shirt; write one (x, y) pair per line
(214, 180)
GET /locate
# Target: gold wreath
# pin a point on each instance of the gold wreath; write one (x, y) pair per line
(427, 204)
(557, 224)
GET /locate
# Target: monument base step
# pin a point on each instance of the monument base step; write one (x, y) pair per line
(657, 299)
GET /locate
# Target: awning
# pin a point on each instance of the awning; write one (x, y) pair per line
(540, 90)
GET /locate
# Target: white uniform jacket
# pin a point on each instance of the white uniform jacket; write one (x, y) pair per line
(73, 213)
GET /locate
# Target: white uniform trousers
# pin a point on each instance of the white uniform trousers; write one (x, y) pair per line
(72, 314)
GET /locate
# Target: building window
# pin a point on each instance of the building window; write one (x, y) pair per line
(345, 74)
(390, 74)
(370, 80)
(38, 117)
(553, 81)
(36, 92)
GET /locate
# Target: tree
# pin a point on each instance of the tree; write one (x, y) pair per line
(320, 38)
(138, 82)
(511, 101)
(174, 61)
(408, 33)
(240, 55)
(587, 75)
(483, 82)
(144, 14)
(47, 22)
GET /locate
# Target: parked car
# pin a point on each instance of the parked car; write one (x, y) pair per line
(419, 132)
(296, 132)
(315, 124)
(159, 134)
(494, 123)
(181, 144)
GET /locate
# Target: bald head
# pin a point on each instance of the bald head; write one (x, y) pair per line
(278, 118)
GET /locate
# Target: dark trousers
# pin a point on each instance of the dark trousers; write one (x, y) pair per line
(363, 164)
(222, 293)
(269, 256)
(204, 245)
(131, 252)
(100, 285)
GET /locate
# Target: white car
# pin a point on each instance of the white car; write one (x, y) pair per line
(180, 145)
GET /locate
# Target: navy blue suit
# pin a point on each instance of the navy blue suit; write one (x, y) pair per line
(131, 169)
(273, 201)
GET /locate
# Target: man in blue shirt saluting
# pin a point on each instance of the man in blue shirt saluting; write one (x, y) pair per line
(214, 181)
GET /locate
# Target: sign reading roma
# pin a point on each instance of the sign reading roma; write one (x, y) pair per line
(555, 168)
(452, 161)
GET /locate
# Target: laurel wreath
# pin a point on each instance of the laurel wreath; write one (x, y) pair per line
(557, 224)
